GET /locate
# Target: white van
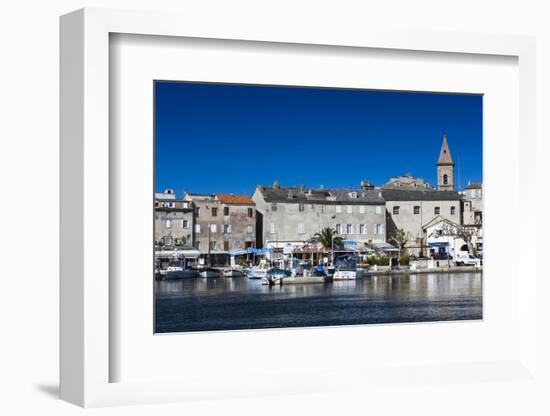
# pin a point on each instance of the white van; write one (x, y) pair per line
(463, 258)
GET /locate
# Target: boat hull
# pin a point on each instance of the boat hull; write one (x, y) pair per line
(210, 273)
(344, 275)
(233, 273)
(178, 274)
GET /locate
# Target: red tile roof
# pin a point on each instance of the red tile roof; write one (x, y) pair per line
(235, 199)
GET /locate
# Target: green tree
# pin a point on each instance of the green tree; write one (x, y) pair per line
(399, 237)
(326, 237)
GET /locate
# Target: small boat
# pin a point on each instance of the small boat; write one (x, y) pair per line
(232, 272)
(177, 272)
(209, 272)
(276, 275)
(256, 272)
(340, 274)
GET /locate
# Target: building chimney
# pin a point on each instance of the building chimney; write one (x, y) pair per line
(365, 185)
(276, 184)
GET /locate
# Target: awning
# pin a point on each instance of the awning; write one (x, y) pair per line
(383, 246)
(251, 250)
(438, 244)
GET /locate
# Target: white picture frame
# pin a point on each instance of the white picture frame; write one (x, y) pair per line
(86, 333)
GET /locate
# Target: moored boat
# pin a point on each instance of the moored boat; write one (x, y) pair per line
(209, 272)
(177, 272)
(256, 272)
(233, 272)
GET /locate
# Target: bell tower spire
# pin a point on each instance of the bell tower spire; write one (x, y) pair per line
(445, 168)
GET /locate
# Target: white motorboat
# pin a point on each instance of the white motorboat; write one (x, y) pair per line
(177, 272)
(345, 275)
(256, 272)
(209, 272)
(232, 272)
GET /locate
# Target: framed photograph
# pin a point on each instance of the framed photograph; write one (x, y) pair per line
(274, 208)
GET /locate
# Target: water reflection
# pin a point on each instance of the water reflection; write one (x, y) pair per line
(240, 303)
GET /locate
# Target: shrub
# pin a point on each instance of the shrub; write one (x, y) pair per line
(378, 260)
(405, 259)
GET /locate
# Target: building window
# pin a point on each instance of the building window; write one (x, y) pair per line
(226, 245)
(396, 210)
(301, 228)
(185, 205)
(197, 245)
(214, 211)
(378, 229)
(226, 211)
(249, 229)
(168, 223)
(250, 212)
(378, 209)
(338, 209)
(453, 210)
(445, 179)
(156, 204)
(353, 195)
(273, 229)
(227, 228)
(273, 206)
(436, 210)
(349, 229)
(338, 228)
(197, 228)
(184, 224)
(301, 207)
(361, 228)
(198, 211)
(213, 228)
(349, 209)
(212, 245)
(416, 209)
(361, 209)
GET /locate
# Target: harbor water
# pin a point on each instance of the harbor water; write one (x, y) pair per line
(207, 304)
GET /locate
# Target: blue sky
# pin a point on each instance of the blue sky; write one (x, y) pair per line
(229, 137)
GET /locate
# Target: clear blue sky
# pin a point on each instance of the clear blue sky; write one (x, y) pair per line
(230, 137)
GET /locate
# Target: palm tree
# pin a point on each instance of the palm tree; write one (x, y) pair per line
(327, 237)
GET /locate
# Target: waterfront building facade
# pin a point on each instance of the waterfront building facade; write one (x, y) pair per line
(473, 204)
(222, 223)
(291, 215)
(410, 211)
(173, 221)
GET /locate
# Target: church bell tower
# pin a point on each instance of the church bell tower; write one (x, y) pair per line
(445, 168)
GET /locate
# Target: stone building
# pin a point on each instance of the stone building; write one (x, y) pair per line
(406, 182)
(412, 203)
(173, 220)
(411, 210)
(222, 223)
(293, 215)
(473, 204)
